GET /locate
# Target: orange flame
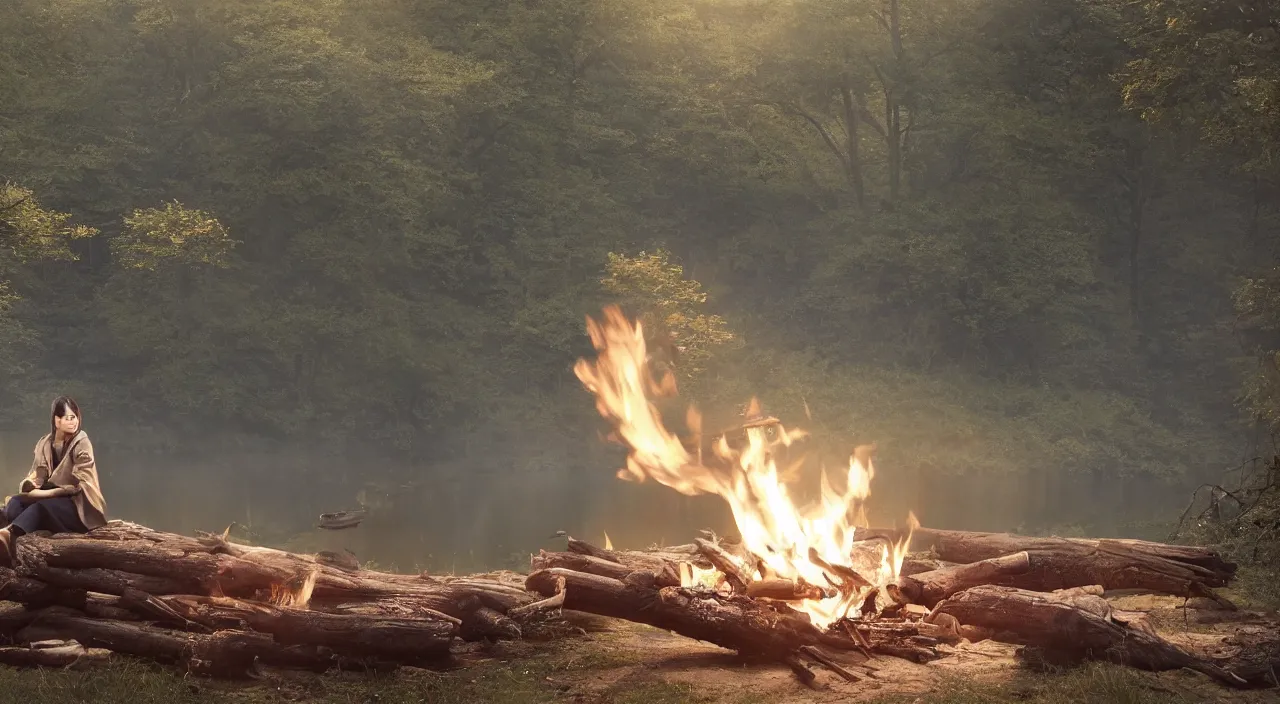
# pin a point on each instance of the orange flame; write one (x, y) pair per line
(789, 542)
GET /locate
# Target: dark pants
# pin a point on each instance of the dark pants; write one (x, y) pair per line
(57, 515)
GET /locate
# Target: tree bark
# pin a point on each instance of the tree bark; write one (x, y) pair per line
(1061, 563)
(388, 638)
(590, 564)
(60, 654)
(1077, 625)
(123, 556)
(656, 560)
(928, 588)
(736, 622)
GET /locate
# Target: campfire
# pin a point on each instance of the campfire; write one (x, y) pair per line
(801, 584)
(814, 583)
(812, 550)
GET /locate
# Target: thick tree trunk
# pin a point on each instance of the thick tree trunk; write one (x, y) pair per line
(928, 588)
(122, 556)
(225, 653)
(1079, 625)
(395, 639)
(656, 560)
(1061, 563)
(736, 622)
(668, 577)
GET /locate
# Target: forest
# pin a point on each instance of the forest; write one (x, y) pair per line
(1026, 247)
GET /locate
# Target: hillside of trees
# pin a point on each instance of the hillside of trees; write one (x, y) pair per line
(1028, 247)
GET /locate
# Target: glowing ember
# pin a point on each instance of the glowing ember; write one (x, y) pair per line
(296, 594)
(700, 577)
(789, 542)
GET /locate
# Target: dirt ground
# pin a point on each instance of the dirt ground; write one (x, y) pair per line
(631, 655)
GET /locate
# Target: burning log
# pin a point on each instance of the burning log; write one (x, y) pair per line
(1079, 625)
(752, 627)
(735, 622)
(743, 469)
(787, 590)
(735, 574)
(928, 588)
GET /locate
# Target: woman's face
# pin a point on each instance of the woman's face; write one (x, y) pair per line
(69, 423)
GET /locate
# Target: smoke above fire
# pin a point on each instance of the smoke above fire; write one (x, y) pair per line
(816, 544)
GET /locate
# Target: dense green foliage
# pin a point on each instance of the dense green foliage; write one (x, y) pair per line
(1001, 238)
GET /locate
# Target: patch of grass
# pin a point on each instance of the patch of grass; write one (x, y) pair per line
(595, 659)
(135, 682)
(1256, 587)
(128, 680)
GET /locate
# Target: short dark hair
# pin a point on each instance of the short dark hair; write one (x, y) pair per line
(59, 408)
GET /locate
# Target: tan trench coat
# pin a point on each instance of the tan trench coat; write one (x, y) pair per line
(76, 468)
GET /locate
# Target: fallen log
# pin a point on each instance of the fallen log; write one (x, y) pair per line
(928, 588)
(53, 653)
(385, 638)
(222, 654)
(121, 556)
(147, 641)
(579, 562)
(753, 628)
(208, 572)
(915, 564)
(1061, 563)
(35, 593)
(1077, 625)
(654, 560)
(967, 546)
(109, 581)
(735, 622)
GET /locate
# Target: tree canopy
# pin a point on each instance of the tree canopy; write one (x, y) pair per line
(1001, 239)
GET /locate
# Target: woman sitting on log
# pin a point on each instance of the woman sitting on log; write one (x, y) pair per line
(61, 493)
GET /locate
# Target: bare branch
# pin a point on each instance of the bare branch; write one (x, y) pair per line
(822, 130)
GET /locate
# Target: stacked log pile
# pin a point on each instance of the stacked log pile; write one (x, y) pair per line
(215, 607)
(1041, 592)
(221, 608)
